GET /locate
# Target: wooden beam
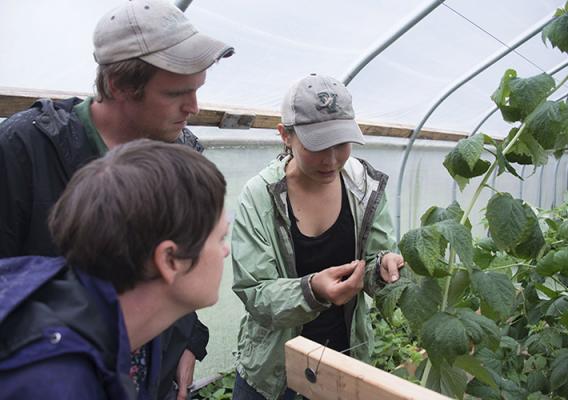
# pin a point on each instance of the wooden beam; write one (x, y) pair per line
(13, 100)
(343, 377)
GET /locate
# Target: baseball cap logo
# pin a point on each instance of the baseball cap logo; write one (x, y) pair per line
(328, 102)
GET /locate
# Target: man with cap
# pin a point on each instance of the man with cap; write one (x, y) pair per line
(312, 232)
(151, 62)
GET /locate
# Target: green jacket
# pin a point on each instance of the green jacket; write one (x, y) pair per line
(277, 302)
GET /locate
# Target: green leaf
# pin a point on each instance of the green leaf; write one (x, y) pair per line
(504, 164)
(490, 359)
(530, 145)
(547, 123)
(537, 396)
(478, 327)
(452, 381)
(511, 221)
(482, 258)
(530, 247)
(459, 283)
(476, 368)
(459, 238)
(464, 161)
(562, 232)
(511, 390)
(553, 262)
(457, 165)
(536, 382)
(424, 250)
(495, 290)
(502, 94)
(556, 32)
(480, 390)
(518, 97)
(559, 370)
(528, 93)
(551, 294)
(544, 342)
(420, 301)
(487, 244)
(388, 297)
(444, 338)
(461, 181)
(519, 153)
(448, 380)
(469, 151)
(436, 214)
(558, 308)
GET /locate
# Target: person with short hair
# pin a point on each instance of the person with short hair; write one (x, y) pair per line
(151, 63)
(312, 231)
(142, 233)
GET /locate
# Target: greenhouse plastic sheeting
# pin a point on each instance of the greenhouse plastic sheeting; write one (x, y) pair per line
(47, 45)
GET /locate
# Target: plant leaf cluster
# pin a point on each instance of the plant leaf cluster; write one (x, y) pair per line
(492, 314)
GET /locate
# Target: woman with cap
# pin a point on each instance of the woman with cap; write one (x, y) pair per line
(312, 232)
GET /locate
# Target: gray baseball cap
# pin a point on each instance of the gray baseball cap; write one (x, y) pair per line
(321, 111)
(157, 32)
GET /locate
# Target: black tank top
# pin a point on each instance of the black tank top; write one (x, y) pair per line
(334, 247)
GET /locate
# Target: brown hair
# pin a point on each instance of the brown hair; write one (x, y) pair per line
(287, 151)
(117, 209)
(132, 75)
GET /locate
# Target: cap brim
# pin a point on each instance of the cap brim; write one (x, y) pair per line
(323, 135)
(195, 54)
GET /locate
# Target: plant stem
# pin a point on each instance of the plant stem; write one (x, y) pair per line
(509, 266)
(464, 218)
(426, 373)
(448, 279)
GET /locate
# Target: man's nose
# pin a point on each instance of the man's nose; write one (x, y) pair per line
(190, 105)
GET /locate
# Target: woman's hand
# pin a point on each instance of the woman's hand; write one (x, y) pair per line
(390, 264)
(339, 284)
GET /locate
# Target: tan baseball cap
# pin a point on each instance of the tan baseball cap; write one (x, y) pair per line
(157, 32)
(321, 111)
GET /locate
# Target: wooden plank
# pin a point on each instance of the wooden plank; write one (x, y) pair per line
(13, 100)
(343, 377)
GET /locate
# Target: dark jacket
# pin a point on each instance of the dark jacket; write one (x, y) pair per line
(40, 149)
(62, 334)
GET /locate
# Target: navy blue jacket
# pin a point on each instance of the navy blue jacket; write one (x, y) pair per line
(40, 149)
(62, 334)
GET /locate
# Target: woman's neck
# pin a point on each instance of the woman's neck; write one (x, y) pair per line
(147, 313)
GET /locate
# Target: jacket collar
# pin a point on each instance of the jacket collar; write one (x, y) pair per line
(58, 123)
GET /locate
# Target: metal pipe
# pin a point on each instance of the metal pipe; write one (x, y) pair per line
(391, 37)
(540, 184)
(182, 4)
(556, 169)
(494, 178)
(461, 81)
(522, 181)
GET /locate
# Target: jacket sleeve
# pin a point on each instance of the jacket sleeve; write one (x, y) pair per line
(64, 377)
(381, 238)
(15, 192)
(274, 301)
(198, 341)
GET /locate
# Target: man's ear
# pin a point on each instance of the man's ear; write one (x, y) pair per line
(168, 266)
(285, 136)
(117, 93)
